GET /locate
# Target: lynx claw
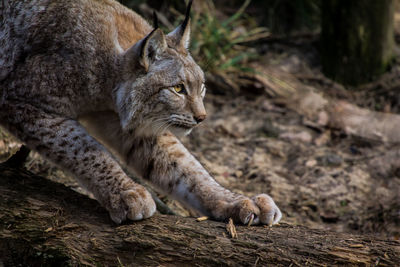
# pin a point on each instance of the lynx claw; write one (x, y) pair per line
(252, 219)
(269, 211)
(261, 209)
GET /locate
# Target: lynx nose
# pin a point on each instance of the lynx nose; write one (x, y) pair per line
(200, 118)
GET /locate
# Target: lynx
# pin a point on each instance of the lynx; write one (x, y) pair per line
(89, 83)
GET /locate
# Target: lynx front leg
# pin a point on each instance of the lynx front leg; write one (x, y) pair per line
(66, 143)
(167, 164)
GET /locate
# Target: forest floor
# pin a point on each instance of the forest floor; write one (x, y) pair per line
(319, 177)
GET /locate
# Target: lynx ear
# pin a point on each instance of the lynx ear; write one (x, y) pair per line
(147, 50)
(180, 37)
(152, 46)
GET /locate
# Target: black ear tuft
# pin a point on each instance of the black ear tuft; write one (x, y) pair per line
(155, 20)
(187, 15)
(180, 37)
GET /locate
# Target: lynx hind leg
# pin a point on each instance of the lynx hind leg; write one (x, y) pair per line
(66, 143)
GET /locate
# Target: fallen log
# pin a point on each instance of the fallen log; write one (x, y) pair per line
(44, 223)
(371, 125)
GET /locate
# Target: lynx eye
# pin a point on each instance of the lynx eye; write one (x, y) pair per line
(180, 89)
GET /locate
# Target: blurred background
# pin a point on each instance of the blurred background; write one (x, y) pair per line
(303, 98)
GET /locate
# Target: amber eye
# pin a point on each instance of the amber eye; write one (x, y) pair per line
(180, 89)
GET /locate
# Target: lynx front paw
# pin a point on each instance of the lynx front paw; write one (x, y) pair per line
(260, 209)
(135, 204)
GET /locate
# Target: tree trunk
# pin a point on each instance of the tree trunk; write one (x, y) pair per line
(43, 223)
(357, 39)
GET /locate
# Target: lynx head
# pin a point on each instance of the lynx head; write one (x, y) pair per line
(163, 88)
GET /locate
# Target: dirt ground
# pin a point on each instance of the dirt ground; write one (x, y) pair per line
(319, 178)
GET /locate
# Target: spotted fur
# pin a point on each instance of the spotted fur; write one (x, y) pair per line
(85, 81)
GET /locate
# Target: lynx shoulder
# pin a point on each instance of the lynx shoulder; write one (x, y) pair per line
(84, 82)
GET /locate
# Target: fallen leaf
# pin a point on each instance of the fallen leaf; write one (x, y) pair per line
(200, 219)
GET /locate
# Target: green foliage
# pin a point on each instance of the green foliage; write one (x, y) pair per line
(219, 46)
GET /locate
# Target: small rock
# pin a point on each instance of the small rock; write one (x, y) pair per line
(304, 137)
(269, 129)
(332, 160)
(311, 163)
(323, 118)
